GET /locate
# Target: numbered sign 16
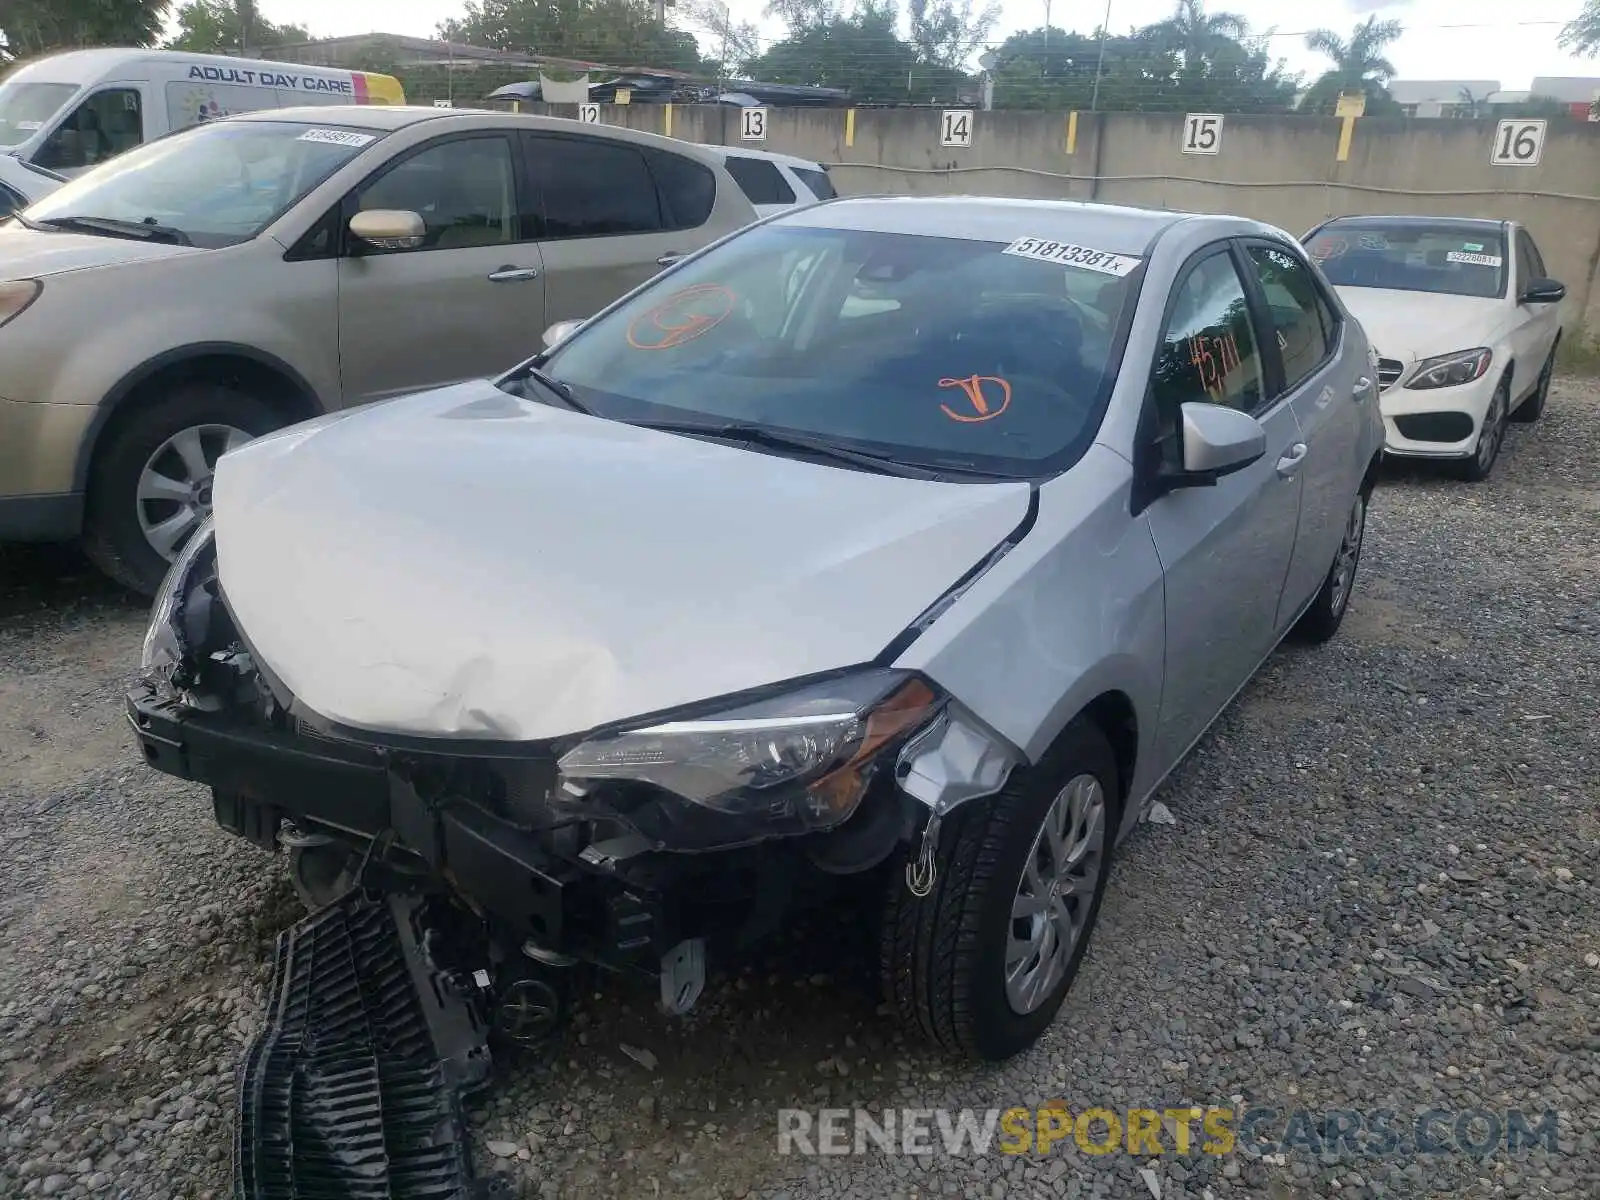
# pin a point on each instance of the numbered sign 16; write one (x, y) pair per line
(589, 114)
(753, 125)
(1518, 143)
(955, 129)
(1202, 133)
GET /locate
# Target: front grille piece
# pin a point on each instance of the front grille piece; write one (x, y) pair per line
(1389, 371)
(353, 1090)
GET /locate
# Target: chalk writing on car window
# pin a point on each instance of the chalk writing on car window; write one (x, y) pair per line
(681, 317)
(1214, 358)
(987, 396)
(1329, 248)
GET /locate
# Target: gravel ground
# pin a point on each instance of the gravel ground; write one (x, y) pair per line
(1380, 892)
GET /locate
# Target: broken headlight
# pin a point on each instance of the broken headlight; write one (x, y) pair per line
(793, 764)
(168, 639)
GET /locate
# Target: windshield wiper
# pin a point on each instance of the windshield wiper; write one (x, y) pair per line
(550, 383)
(777, 439)
(147, 230)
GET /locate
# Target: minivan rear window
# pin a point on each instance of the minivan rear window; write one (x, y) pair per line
(760, 180)
(819, 183)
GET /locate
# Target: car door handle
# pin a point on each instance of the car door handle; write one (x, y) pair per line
(1290, 462)
(1363, 385)
(667, 260)
(513, 274)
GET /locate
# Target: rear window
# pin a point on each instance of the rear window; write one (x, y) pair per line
(1412, 258)
(819, 183)
(760, 180)
(688, 189)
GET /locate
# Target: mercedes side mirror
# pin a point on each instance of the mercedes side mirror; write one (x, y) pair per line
(389, 228)
(1543, 291)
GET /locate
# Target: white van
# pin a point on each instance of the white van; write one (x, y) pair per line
(68, 112)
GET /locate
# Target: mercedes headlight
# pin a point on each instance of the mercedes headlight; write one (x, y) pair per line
(796, 763)
(168, 638)
(1447, 370)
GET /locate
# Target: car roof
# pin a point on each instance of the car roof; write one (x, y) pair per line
(1402, 220)
(389, 118)
(727, 152)
(1110, 227)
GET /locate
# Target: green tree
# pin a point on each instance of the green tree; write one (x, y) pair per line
(217, 27)
(1358, 65)
(1581, 35)
(860, 52)
(949, 32)
(33, 27)
(1197, 35)
(618, 33)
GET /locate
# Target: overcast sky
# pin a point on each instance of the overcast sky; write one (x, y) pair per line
(1444, 39)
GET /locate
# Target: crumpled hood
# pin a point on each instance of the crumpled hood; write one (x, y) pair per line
(1408, 326)
(462, 563)
(36, 254)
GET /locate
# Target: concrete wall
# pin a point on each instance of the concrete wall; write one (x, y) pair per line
(1280, 169)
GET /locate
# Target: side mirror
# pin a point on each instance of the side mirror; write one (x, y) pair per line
(1543, 291)
(389, 228)
(559, 332)
(1217, 441)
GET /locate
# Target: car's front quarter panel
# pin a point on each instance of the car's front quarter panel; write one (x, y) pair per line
(1074, 611)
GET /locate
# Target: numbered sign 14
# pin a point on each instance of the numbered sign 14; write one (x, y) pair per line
(1518, 143)
(955, 129)
(753, 124)
(589, 114)
(1202, 133)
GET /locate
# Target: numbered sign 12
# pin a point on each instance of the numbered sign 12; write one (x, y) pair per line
(589, 114)
(1518, 143)
(955, 128)
(753, 124)
(1202, 133)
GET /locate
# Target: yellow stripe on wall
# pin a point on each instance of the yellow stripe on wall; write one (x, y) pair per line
(1072, 132)
(849, 127)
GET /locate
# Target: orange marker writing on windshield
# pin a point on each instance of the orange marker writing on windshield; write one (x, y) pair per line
(984, 406)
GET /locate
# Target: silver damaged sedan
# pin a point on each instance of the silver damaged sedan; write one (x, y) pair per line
(890, 547)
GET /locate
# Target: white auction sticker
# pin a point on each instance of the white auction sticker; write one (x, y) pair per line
(30, 125)
(1477, 260)
(338, 137)
(1067, 255)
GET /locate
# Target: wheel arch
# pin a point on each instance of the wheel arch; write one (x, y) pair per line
(266, 376)
(1113, 713)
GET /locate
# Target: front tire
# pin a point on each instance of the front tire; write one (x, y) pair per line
(1491, 436)
(980, 966)
(150, 486)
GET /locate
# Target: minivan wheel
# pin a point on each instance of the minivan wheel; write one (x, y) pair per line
(1322, 620)
(981, 965)
(150, 486)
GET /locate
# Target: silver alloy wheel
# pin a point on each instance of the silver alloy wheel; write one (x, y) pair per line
(1344, 563)
(175, 486)
(1494, 426)
(1054, 895)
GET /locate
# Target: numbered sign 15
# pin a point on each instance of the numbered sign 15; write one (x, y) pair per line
(753, 125)
(955, 129)
(1518, 143)
(589, 114)
(1202, 133)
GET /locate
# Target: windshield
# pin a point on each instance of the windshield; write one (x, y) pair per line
(935, 352)
(215, 185)
(26, 108)
(1412, 258)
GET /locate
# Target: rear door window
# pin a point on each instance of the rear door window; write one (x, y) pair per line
(688, 189)
(591, 188)
(759, 180)
(1296, 306)
(817, 180)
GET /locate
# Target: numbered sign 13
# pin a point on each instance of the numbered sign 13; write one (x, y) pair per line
(955, 129)
(753, 124)
(589, 114)
(1518, 143)
(1202, 133)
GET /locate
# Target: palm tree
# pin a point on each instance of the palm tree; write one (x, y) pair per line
(1359, 64)
(1196, 34)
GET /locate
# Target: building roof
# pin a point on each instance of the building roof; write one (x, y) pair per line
(1571, 88)
(1440, 91)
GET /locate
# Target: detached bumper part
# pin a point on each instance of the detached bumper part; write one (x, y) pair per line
(354, 1088)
